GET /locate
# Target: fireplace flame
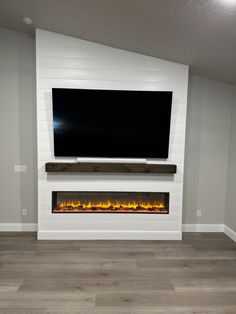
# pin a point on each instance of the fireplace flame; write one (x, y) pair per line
(106, 206)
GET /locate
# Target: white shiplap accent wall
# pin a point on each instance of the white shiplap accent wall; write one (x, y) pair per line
(64, 61)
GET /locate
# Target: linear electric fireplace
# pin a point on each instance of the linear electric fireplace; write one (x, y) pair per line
(110, 202)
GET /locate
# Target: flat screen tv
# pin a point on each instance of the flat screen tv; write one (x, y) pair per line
(111, 123)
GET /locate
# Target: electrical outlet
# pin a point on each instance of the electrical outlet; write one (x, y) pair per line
(24, 212)
(199, 213)
(20, 168)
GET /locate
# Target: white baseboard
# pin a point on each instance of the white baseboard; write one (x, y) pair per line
(118, 235)
(203, 228)
(108, 235)
(18, 227)
(230, 233)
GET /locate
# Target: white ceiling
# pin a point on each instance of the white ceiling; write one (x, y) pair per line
(201, 33)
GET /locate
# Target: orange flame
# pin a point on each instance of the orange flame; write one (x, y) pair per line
(116, 206)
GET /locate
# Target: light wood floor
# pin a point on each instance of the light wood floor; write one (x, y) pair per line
(196, 275)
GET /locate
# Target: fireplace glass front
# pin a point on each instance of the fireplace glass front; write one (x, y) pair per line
(110, 202)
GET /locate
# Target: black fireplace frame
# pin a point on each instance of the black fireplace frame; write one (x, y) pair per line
(166, 199)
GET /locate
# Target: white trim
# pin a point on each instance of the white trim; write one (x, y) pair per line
(108, 235)
(230, 233)
(117, 235)
(18, 227)
(203, 228)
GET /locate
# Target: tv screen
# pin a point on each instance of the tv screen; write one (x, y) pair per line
(111, 123)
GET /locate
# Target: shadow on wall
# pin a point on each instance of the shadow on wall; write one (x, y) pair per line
(207, 147)
(27, 125)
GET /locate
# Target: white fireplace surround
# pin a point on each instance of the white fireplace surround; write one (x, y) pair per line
(67, 62)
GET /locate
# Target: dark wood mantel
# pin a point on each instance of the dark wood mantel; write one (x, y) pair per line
(110, 167)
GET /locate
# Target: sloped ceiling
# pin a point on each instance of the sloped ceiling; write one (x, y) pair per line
(200, 33)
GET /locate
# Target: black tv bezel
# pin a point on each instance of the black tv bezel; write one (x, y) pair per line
(113, 157)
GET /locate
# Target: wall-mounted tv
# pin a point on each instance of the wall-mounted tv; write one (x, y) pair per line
(111, 123)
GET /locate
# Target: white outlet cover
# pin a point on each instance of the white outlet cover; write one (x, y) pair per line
(24, 211)
(199, 213)
(20, 168)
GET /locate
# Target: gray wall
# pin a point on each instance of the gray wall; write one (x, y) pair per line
(208, 124)
(207, 144)
(17, 127)
(230, 213)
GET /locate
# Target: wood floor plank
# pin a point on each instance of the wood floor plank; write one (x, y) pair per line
(92, 311)
(18, 235)
(71, 258)
(54, 299)
(208, 285)
(74, 260)
(163, 284)
(15, 310)
(193, 310)
(186, 263)
(73, 271)
(143, 310)
(199, 254)
(9, 285)
(165, 299)
(230, 310)
(11, 257)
